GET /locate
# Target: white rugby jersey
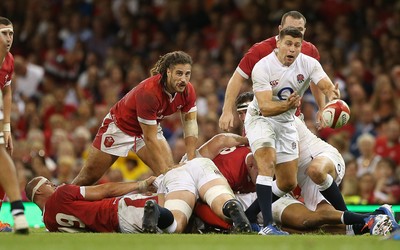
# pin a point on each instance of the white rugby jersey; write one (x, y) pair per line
(270, 74)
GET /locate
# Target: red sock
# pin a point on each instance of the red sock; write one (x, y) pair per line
(204, 212)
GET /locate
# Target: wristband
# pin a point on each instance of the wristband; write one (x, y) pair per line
(142, 186)
(7, 127)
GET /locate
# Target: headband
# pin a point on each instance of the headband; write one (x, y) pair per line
(242, 106)
(6, 29)
(38, 185)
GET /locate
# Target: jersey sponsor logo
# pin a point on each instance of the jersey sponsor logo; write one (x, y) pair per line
(274, 83)
(108, 141)
(284, 93)
(300, 78)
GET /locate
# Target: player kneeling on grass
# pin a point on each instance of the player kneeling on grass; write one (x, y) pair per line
(198, 178)
(100, 208)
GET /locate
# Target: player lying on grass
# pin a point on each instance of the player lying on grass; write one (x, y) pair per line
(100, 208)
(191, 180)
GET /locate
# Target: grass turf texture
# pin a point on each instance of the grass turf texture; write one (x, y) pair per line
(39, 239)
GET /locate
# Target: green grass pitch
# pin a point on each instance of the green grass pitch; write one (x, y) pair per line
(39, 239)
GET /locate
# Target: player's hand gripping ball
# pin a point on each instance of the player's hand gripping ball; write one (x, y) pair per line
(336, 113)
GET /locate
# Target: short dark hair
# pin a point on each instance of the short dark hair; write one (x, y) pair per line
(5, 21)
(290, 31)
(242, 101)
(294, 14)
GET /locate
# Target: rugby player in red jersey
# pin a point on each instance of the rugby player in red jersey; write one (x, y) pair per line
(133, 123)
(109, 207)
(253, 55)
(8, 176)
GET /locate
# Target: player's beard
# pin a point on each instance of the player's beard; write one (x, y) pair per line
(180, 87)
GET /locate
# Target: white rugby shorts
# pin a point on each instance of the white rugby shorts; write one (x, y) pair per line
(266, 132)
(112, 140)
(190, 177)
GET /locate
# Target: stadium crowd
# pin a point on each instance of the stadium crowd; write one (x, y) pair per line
(75, 58)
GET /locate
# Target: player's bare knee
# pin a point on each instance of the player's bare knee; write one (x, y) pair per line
(181, 211)
(309, 223)
(181, 221)
(287, 185)
(316, 174)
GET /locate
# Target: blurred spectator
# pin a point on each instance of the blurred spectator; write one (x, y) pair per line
(368, 159)
(387, 189)
(364, 124)
(114, 175)
(76, 31)
(178, 149)
(349, 185)
(384, 101)
(341, 142)
(395, 76)
(131, 167)
(388, 144)
(65, 169)
(206, 88)
(59, 107)
(366, 188)
(29, 76)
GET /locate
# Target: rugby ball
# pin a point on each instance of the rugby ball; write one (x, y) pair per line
(336, 113)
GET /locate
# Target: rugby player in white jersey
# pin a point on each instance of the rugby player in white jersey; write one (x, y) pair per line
(317, 159)
(279, 81)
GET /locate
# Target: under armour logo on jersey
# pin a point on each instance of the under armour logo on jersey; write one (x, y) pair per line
(300, 78)
(179, 107)
(108, 141)
(294, 145)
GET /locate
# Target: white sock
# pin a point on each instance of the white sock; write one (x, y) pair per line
(276, 191)
(172, 228)
(326, 184)
(264, 180)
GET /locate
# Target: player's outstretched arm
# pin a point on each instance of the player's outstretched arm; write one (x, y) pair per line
(191, 131)
(330, 90)
(215, 145)
(115, 189)
(231, 93)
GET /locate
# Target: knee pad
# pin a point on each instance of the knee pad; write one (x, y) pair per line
(179, 205)
(215, 191)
